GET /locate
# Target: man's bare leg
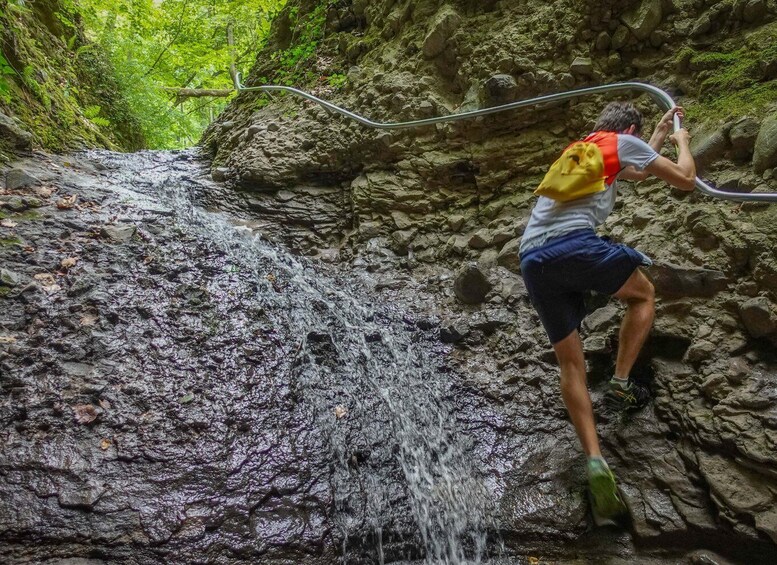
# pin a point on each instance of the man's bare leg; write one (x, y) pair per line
(606, 503)
(639, 295)
(569, 352)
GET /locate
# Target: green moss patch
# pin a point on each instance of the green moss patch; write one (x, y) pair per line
(731, 80)
(8, 241)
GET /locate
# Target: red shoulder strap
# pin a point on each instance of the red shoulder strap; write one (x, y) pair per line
(608, 145)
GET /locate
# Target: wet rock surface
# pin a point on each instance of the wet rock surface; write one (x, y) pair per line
(187, 392)
(265, 387)
(416, 206)
(175, 390)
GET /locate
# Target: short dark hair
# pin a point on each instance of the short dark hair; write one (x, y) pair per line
(618, 116)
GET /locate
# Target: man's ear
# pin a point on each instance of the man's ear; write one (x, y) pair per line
(631, 130)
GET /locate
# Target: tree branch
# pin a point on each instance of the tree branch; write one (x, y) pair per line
(170, 43)
(197, 92)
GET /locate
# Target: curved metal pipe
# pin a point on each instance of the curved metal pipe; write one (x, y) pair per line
(661, 98)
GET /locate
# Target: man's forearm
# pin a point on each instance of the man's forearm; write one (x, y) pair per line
(685, 161)
(658, 138)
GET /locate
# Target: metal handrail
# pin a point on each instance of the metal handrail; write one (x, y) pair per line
(661, 98)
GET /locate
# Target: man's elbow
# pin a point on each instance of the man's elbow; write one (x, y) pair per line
(688, 183)
(685, 181)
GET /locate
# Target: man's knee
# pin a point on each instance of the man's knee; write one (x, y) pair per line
(569, 353)
(637, 288)
(649, 291)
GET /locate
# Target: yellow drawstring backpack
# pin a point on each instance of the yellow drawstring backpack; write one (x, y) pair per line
(585, 167)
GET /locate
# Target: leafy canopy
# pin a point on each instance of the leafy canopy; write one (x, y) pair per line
(154, 44)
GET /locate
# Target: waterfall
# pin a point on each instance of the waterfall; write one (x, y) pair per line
(375, 387)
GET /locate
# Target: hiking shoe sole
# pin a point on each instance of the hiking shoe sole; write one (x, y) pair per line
(606, 503)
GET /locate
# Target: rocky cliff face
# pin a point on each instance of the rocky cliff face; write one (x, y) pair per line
(57, 88)
(413, 207)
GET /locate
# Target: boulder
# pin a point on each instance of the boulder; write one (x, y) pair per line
(643, 19)
(442, 27)
(743, 134)
(403, 239)
(19, 178)
(708, 144)
(499, 89)
(758, 316)
(118, 234)
(673, 281)
(19, 138)
(603, 41)
(401, 220)
(754, 11)
(452, 332)
(508, 256)
(603, 319)
(582, 66)
(765, 150)
(619, 38)
(10, 278)
(480, 239)
(471, 285)
(455, 222)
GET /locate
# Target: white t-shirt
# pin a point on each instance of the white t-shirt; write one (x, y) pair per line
(551, 218)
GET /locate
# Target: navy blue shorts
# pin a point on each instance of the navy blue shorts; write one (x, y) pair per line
(559, 275)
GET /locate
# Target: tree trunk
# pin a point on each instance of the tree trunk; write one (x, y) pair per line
(197, 92)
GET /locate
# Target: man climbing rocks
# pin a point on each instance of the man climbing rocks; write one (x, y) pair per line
(562, 260)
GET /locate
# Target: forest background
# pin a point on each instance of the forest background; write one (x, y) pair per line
(126, 63)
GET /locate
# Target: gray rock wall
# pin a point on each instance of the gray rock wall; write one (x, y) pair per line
(697, 465)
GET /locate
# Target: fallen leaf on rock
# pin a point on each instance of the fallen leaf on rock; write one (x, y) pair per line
(44, 191)
(45, 278)
(7, 339)
(340, 411)
(105, 444)
(85, 413)
(67, 202)
(104, 404)
(48, 283)
(51, 289)
(8, 223)
(271, 278)
(69, 262)
(186, 399)
(88, 320)
(29, 249)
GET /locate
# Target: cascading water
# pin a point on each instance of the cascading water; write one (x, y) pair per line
(375, 390)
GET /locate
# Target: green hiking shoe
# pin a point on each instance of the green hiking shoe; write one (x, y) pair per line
(629, 397)
(606, 503)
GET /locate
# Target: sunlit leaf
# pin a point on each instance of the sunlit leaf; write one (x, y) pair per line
(85, 413)
(67, 202)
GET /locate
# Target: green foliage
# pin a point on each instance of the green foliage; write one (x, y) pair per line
(294, 64)
(337, 80)
(5, 88)
(92, 113)
(174, 43)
